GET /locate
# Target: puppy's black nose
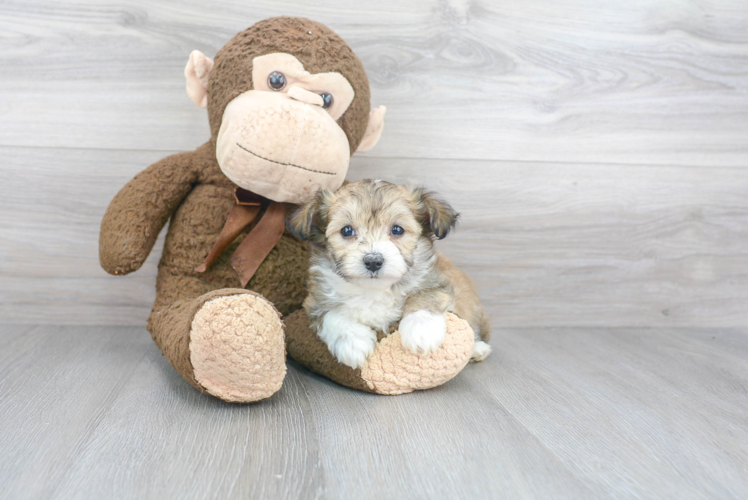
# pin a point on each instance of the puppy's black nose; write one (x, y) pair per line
(373, 261)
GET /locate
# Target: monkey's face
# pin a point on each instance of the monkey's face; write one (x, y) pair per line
(281, 139)
(288, 103)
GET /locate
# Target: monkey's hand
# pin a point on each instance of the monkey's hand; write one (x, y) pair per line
(139, 211)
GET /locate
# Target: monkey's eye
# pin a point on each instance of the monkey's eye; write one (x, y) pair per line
(347, 232)
(397, 231)
(326, 100)
(276, 80)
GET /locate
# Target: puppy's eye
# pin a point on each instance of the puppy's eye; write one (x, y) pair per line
(276, 80)
(326, 100)
(347, 232)
(397, 231)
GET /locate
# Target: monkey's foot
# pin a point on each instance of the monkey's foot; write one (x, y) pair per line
(394, 369)
(237, 348)
(391, 368)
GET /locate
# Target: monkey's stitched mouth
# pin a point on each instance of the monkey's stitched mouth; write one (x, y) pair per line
(284, 164)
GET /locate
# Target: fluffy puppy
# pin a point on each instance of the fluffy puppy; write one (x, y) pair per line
(373, 264)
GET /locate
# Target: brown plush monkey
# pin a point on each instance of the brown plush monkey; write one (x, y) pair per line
(288, 103)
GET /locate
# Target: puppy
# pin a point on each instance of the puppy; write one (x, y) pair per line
(373, 263)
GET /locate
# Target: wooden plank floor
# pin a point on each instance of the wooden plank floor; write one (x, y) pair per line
(597, 152)
(97, 412)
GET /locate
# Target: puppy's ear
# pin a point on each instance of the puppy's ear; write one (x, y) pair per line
(438, 216)
(310, 219)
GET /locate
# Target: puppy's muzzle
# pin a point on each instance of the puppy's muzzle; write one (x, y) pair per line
(373, 261)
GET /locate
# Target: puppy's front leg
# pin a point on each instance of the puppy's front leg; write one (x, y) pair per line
(423, 327)
(350, 342)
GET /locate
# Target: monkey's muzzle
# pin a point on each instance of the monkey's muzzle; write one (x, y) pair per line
(281, 147)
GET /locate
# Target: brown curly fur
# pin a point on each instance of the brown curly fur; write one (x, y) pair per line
(190, 189)
(318, 48)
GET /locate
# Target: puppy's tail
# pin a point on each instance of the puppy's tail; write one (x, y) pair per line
(482, 325)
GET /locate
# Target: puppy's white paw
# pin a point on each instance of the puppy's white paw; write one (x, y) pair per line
(480, 351)
(353, 351)
(351, 343)
(423, 332)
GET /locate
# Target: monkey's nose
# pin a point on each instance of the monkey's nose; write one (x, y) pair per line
(306, 96)
(373, 261)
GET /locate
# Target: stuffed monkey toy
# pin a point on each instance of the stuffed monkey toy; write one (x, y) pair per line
(288, 103)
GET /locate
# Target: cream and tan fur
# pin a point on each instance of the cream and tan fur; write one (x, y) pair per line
(374, 265)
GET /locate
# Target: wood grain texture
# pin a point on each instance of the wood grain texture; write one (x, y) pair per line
(96, 412)
(596, 150)
(548, 244)
(597, 153)
(572, 81)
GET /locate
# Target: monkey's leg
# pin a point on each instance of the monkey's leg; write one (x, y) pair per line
(391, 369)
(228, 343)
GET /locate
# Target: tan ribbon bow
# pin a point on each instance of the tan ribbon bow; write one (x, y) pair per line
(258, 243)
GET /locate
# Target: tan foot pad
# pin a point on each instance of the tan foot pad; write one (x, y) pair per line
(237, 348)
(391, 368)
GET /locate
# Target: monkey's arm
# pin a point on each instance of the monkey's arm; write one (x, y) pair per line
(141, 208)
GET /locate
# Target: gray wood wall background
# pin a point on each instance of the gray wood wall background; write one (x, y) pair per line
(597, 150)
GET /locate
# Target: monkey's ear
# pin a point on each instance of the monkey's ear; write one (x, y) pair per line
(438, 215)
(310, 219)
(373, 129)
(197, 73)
